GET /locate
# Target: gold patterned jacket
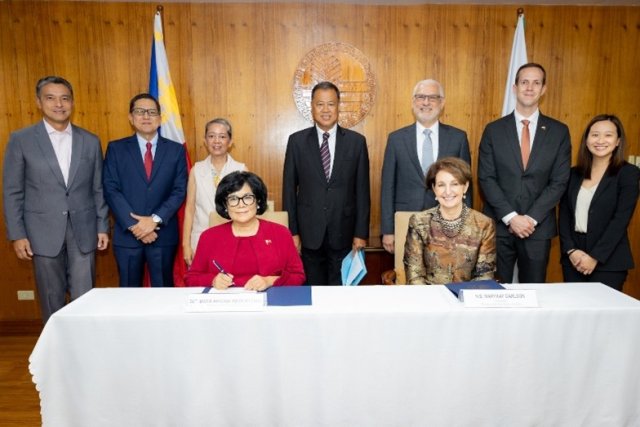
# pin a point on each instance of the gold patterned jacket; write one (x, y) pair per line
(431, 257)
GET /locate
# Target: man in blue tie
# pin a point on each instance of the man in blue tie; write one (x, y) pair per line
(409, 153)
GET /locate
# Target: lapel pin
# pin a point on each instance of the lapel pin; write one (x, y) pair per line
(267, 242)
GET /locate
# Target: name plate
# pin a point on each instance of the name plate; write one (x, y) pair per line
(226, 301)
(497, 298)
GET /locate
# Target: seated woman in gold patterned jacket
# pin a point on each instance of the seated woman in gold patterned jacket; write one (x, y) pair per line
(450, 242)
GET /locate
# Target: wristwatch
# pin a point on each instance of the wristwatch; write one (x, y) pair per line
(156, 219)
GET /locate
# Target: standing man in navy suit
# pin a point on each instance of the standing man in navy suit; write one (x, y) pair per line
(145, 181)
(523, 170)
(409, 154)
(325, 189)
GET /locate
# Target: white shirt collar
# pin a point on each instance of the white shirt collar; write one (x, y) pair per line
(434, 128)
(533, 118)
(50, 129)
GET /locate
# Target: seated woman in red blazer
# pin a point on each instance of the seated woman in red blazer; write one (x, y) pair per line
(247, 251)
(597, 207)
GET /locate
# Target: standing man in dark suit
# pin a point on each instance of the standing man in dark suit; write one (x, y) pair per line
(409, 154)
(54, 209)
(145, 181)
(325, 189)
(523, 170)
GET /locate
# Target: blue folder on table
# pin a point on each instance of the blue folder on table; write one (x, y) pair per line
(455, 288)
(289, 295)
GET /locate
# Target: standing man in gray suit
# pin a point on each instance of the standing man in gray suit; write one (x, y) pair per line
(409, 153)
(54, 210)
(523, 171)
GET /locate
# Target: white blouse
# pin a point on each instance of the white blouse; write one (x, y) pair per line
(585, 195)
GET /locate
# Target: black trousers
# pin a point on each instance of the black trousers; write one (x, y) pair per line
(322, 266)
(532, 257)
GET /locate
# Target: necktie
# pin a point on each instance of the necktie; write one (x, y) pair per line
(525, 143)
(148, 160)
(326, 155)
(427, 151)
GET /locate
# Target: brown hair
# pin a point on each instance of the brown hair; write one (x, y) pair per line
(585, 158)
(455, 166)
(532, 65)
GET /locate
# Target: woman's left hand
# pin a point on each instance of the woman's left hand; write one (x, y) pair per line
(260, 283)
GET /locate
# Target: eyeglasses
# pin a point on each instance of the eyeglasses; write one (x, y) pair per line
(152, 112)
(247, 199)
(430, 98)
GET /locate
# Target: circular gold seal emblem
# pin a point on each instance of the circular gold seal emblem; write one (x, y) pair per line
(346, 67)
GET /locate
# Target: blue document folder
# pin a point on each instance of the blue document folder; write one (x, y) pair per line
(289, 295)
(479, 284)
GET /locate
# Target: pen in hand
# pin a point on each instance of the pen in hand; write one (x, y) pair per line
(221, 270)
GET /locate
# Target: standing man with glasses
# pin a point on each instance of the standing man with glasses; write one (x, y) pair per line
(409, 153)
(54, 209)
(325, 189)
(523, 171)
(145, 182)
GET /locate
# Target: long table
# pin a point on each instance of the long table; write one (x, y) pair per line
(359, 356)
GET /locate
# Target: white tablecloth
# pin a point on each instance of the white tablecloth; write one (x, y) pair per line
(359, 356)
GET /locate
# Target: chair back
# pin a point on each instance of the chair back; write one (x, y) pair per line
(401, 221)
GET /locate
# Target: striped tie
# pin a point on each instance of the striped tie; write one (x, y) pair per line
(326, 155)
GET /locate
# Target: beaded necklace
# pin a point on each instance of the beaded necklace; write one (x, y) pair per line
(451, 227)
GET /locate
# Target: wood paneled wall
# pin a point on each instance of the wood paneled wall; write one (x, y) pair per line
(238, 61)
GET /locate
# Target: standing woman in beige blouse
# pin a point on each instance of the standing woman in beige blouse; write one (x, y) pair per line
(450, 242)
(203, 182)
(597, 207)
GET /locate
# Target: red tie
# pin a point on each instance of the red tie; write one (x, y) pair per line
(525, 143)
(148, 161)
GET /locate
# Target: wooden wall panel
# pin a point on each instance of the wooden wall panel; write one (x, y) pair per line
(238, 60)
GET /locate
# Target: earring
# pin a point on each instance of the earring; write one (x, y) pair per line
(464, 195)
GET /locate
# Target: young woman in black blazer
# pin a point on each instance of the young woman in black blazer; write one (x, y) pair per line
(597, 207)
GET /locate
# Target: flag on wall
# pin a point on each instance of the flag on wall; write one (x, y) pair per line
(518, 58)
(161, 87)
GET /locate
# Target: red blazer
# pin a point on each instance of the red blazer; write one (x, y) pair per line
(273, 246)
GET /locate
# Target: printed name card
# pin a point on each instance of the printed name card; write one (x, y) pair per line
(226, 301)
(497, 298)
